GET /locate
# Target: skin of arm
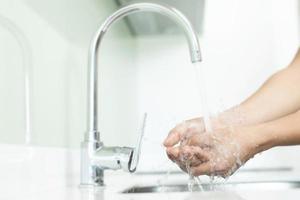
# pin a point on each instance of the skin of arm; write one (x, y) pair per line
(280, 132)
(277, 97)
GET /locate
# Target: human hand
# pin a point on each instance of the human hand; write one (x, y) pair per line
(179, 136)
(220, 152)
(183, 131)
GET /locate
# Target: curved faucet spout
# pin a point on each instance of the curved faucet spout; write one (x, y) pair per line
(95, 156)
(170, 12)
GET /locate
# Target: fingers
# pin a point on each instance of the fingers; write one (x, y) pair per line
(175, 135)
(173, 138)
(173, 153)
(183, 168)
(191, 154)
(203, 169)
(193, 140)
(209, 169)
(194, 155)
(200, 154)
(188, 157)
(195, 166)
(184, 131)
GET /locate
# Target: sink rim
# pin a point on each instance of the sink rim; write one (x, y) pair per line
(181, 187)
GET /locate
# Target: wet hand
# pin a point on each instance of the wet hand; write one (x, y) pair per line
(220, 152)
(180, 136)
(183, 131)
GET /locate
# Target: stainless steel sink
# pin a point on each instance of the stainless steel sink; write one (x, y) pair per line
(266, 185)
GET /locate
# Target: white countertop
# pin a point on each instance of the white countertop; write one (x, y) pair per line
(34, 173)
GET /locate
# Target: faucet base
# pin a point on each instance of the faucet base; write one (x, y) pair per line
(91, 175)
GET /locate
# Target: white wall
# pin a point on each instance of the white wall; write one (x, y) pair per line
(56, 36)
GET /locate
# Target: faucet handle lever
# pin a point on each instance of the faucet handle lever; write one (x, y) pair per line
(133, 162)
(125, 158)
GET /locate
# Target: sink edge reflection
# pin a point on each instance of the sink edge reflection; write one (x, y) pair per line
(265, 185)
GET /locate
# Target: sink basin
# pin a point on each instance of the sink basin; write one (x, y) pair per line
(271, 185)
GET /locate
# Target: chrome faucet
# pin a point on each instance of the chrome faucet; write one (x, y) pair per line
(95, 157)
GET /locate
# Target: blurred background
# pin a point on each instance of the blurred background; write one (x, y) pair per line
(144, 67)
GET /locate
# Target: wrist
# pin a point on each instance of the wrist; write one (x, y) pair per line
(232, 117)
(251, 141)
(260, 138)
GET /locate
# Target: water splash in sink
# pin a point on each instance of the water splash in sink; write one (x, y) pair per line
(200, 83)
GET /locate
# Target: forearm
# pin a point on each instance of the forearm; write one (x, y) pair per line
(281, 132)
(277, 97)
